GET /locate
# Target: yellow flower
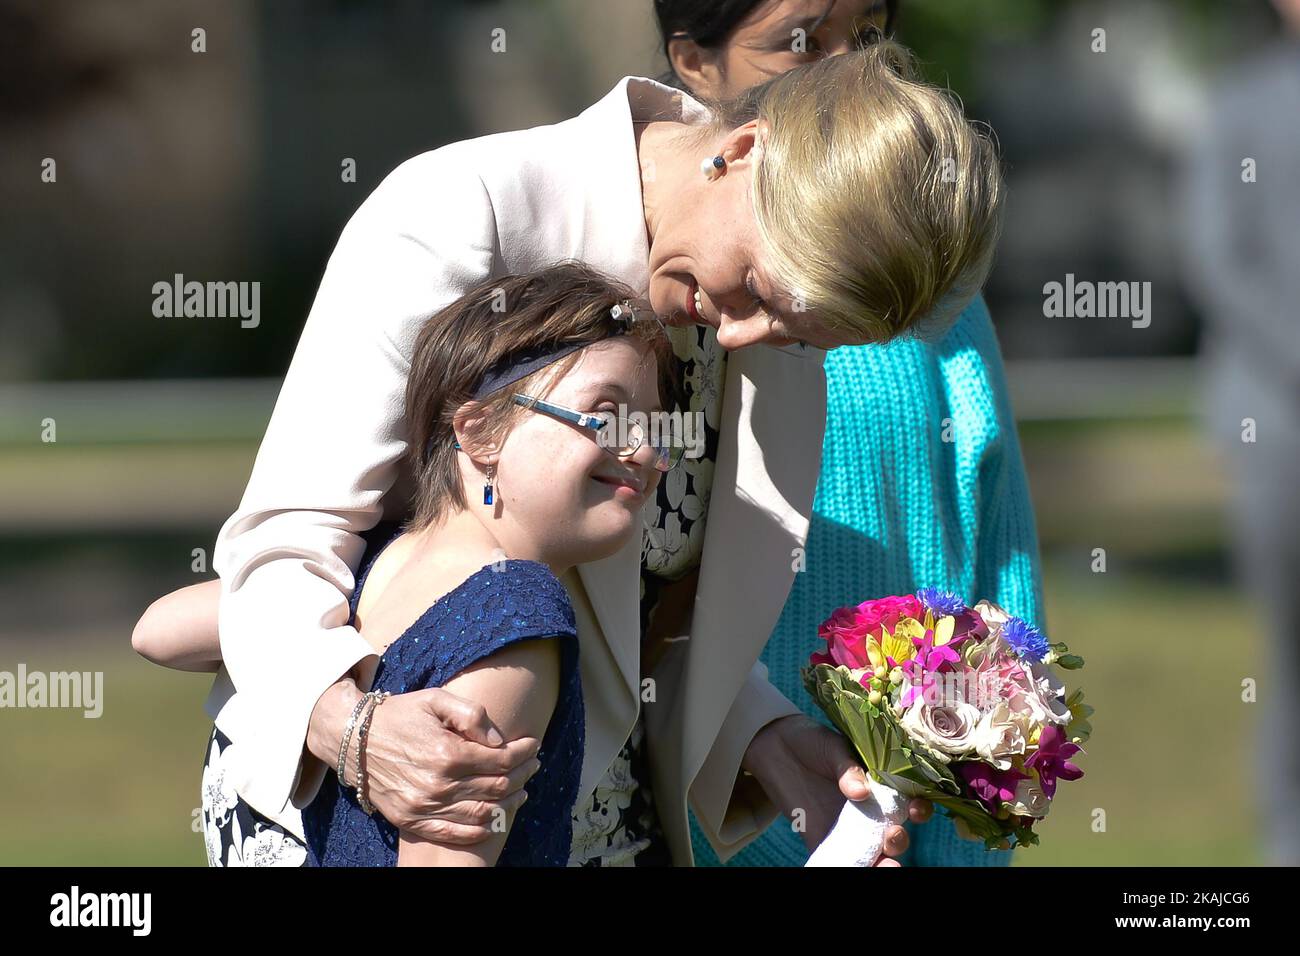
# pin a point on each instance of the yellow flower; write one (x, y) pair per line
(899, 645)
(1079, 729)
(943, 630)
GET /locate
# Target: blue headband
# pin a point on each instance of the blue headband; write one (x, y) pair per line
(523, 362)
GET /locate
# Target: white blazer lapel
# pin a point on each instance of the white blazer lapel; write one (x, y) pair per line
(765, 477)
(606, 604)
(613, 588)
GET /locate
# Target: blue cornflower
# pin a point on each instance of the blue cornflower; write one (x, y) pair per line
(941, 603)
(1025, 639)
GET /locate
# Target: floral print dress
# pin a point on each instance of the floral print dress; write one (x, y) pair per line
(233, 832)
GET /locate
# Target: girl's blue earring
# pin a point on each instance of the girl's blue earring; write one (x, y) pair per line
(487, 485)
(713, 168)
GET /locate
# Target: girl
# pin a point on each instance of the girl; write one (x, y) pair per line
(528, 374)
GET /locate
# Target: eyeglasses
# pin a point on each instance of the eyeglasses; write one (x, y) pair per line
(620, 435)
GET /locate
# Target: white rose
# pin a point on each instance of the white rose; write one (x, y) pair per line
(1030, 800)
(994, 619)
(992, 615)
(1041, 700)
(946, 728)
(999, 736)
(1052, 693)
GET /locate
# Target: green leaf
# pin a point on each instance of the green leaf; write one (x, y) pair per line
(1025, 836)
(980, 821)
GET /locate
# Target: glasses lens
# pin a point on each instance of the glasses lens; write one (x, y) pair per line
(624, 436)
(618, 435)
(634, 437)
(669, 447)
(667, 457)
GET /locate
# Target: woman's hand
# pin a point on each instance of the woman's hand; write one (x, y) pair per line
(436, 765)
(802, 765)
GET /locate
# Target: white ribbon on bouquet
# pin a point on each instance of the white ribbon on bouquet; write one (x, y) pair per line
(858, 837)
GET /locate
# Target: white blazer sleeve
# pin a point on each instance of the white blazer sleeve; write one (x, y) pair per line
(331, 451)
(731, 812)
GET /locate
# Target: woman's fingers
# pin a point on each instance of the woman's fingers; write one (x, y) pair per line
(426, 778)
(481, 814)
(496, 786)
(439, 830)
(852, 779)
(896, 842)
(461, 759)
(854, 783)
(468, 718)
(919, 810)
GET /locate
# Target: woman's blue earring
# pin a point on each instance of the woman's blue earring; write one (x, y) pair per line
(487, 485)
(712, 168)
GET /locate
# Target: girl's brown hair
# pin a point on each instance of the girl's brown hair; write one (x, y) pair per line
(501, 316)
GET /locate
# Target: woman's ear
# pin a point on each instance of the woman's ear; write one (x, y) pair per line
(470, 428)
(695, 66)
(744, 144)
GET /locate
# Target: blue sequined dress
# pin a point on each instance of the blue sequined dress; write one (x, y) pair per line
(494, 607)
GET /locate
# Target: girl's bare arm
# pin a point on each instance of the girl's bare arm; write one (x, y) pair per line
(179, 630)
(519, 686)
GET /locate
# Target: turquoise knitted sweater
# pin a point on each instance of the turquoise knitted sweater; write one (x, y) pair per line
(922, 485)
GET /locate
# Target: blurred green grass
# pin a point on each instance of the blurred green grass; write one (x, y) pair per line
(120, 789)
(1169, 759)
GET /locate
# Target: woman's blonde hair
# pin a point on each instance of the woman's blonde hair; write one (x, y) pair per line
(880, 204)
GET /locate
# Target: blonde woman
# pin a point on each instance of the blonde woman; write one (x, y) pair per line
(817, 211)
(898, 507)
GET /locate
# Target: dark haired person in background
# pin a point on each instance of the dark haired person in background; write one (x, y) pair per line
(922, 481)
(719, 50)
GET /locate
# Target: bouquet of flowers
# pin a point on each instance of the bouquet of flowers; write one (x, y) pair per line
(960, 705)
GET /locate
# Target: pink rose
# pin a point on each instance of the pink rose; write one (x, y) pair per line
(847, 629)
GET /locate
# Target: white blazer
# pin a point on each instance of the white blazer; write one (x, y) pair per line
(328, 468)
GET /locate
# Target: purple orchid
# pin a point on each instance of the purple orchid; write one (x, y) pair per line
(1052, 759)
(993, 787)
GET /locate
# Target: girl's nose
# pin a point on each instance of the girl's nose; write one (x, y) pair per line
(644, 458)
